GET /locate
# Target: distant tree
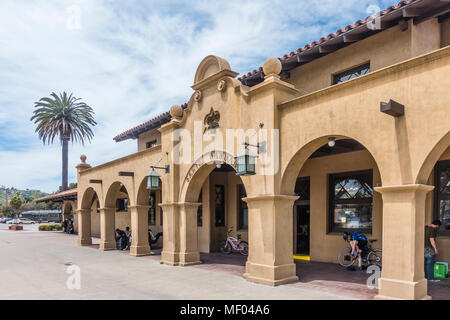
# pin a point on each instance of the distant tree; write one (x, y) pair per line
(27, 199)
(71, 186)
(6, 211)
(16, 203)
(67, 118)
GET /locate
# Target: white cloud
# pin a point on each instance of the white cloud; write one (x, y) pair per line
(130, 61)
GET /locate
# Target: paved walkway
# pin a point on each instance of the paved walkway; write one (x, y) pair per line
(33, 266)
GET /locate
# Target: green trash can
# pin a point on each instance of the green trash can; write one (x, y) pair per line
(440, 271)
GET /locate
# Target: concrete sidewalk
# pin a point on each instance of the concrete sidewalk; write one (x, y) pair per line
(33, 266)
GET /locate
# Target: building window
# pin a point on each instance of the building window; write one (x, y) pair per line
(161, 215)
(219, 204)
(151, 144)
(122, 205)
(351, 201)
(152, 209)
(442, 196)
(242, 208)
(200, 210)
(351, 74)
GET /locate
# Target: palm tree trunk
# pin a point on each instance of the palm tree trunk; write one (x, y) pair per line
(65, 165)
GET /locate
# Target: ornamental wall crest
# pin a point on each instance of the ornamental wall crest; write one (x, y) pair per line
(212, 120)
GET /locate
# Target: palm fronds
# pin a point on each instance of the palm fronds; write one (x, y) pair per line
(65, 117)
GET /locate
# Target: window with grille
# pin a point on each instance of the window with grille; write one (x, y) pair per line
(351, 74)
(351, 201)
(219, 203)
(151, 144)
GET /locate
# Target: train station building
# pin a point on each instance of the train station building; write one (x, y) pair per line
(348, 133)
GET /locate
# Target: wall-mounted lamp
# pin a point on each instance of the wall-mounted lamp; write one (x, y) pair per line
(153, 178)
(246, 160)
(331, 142)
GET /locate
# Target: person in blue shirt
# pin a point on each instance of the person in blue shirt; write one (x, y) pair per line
(358, 242)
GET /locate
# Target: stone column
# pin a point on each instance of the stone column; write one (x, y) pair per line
(270, 234)
(84, 227)
(189, 254)
(402, 275)
(169, 254)
(139, 231)
(107, 233)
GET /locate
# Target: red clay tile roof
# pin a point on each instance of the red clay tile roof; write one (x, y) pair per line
(146, 126)
(58, 197)
(339, 32)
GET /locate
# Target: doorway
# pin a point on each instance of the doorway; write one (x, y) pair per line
(302, 219)
(302, 227)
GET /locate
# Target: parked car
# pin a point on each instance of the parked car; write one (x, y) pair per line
(12, 221)
(25, 221)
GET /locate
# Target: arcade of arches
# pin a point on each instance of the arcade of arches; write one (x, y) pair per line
(379, 177)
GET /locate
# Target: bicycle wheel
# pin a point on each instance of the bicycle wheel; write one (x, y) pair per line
(244, 248)
(375, 257)
(225, 247)
(345, 258)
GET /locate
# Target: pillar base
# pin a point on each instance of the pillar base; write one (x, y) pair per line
(169, 258)
(139, 251)
(108, 246)
(270, 275)
(180, 259)
(189, 259)
(391, 289)
(85, 242)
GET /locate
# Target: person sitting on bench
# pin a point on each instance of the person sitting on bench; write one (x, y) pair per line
(121, 239)
(152, 239)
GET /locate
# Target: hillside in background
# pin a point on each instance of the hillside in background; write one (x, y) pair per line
(10, 191)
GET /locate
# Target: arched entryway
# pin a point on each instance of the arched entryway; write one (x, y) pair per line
(67, 211)
(114, 214)
(435, 171)
(333, 179)
(148, 201)
(88, 216)
(68, 216)
(209, 203)
(334, 182)
(219, 192)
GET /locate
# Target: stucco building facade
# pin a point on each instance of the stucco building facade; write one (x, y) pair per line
(355, 130)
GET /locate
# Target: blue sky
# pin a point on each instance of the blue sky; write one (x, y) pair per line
(131, 60)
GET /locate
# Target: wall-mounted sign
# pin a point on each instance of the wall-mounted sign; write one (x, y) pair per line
(211, 158)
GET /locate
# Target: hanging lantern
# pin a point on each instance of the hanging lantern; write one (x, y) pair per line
(246, 161)
(153, 180)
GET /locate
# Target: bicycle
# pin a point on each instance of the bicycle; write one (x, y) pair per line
(369, 255)
(236, 244)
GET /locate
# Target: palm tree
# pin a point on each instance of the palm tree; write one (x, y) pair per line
(66, 117)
